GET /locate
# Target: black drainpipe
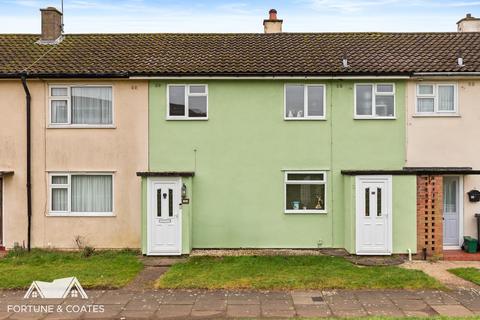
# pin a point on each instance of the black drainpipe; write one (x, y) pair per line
(28, 99)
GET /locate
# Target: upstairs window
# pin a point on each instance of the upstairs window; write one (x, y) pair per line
(187, 102)
(375, 101)
(305, 192)
(304, 101)
(436, 98)
(81, 105)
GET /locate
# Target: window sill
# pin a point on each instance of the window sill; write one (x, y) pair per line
(305, 119)
(295, 212)
(69, 126)
(436, 115)
(374, 118)
(81, 214)
(185, 119)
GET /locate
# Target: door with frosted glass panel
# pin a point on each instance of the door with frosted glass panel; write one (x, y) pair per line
(451, 214)
(164, 219)
(373, 233)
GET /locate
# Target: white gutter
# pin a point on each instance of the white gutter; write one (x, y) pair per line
(446, 74)
(268, 77)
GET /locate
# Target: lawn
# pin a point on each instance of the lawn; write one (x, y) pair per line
(394, 318)
(289, 272)
(470, 274)
(102, 269)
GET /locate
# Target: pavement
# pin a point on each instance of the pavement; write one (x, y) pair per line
(192, 304)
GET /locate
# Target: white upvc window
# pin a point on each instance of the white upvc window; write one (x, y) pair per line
(436, 99)
(305, 102)
(81, 194)
(80, 105)
(305, 192)
(187, 102)
(374, 101)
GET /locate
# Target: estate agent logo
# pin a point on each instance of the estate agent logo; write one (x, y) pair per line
(57, 289)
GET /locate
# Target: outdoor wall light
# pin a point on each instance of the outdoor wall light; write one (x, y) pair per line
(184, 191)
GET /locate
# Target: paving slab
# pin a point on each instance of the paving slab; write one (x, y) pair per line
(210, 305)
(136, 314)
(437, 297)
(345, 304)
(114, 297)
(402, 294)
(417, 314)
(27, 315)
(180, 297)
(307, 297)
(349, 313)
(40, 301)
(453, 310)
(277, 305)
(110, 311)
(243, 311)
(469, 298)
(173, 311)
(63, 315)
(275, 295)
(410, 305)
(242, 298)
(4, 315)
(278, 313)
(384, 311)
(146, 304)
(209, 314)
(309, 310)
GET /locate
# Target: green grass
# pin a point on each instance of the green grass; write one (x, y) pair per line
(399, 318)
(470, 274)
(103, 269)
(289, 272)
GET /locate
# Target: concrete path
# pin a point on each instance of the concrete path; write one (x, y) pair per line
(153, 268)
(169, 304)
(439, 271)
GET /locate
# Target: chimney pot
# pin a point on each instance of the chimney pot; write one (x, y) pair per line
(51, 26)
(273, 14)
(272, 24)
(468, 24)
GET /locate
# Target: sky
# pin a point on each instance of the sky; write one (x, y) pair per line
(106, 16)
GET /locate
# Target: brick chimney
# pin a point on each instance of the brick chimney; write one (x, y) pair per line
(52, 27)
(468, 24)
(272, 24)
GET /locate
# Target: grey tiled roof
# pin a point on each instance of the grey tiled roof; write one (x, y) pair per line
(121, 55)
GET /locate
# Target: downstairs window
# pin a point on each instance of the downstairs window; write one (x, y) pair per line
(305, 192)
(81, 194)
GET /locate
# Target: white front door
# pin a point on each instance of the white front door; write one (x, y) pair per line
(451, 211)
(164, 231)
(374, 209)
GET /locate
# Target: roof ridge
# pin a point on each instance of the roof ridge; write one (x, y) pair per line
(249, 33)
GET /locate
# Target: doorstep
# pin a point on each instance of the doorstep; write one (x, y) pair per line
(459, 255)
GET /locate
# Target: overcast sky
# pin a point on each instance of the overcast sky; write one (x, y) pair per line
(100, 16)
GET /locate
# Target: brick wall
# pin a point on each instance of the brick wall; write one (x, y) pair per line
(430, 215)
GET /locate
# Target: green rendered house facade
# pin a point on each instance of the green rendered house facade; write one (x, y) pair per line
(234, 166)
